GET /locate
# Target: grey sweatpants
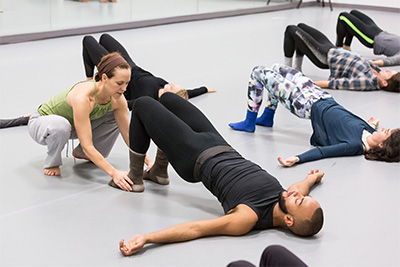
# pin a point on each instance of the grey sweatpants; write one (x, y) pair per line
(54, 131)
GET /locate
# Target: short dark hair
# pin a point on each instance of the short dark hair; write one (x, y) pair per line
(309, 227)
(390, 150)
(393, 84)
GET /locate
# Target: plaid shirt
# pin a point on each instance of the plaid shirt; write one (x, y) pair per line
(350, 72)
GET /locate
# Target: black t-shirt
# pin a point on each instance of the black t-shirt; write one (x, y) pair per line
(235, 180)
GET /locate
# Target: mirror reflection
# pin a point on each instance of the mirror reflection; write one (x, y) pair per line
(30, 16)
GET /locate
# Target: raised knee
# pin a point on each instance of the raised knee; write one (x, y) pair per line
(104, 36)
(143, 102)
(343, 14)
(87, 39)
(290, 28)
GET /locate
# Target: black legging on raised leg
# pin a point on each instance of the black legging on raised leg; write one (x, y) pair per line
(142, 83)
(177, 127)
(93, 51)
(308, 41)
(356, 24)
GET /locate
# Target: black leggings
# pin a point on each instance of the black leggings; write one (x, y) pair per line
(273, 255)
(177, 127)
(93, 51)
(308, 41)
(356, 24)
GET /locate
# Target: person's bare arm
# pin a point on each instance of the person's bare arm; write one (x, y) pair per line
(120, 109)
(304, 186)
(238, 222)
(81, 106)
(322, 84)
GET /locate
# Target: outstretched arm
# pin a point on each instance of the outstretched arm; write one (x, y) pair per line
(199, 91)
(237, 222)
(304, 186)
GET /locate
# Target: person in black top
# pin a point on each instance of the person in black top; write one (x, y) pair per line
(142, 82)
(251, 197)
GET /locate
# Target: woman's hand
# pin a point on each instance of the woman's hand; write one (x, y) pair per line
(133, 246)
(121, 179)
(211, 90)
(289, 161)
(316, 176)
(373, 122)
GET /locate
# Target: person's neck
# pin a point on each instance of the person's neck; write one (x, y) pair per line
(103, 97)
(371, 143)
(277, 216)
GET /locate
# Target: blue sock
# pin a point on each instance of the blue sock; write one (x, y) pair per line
(267, 118)
(248, 125)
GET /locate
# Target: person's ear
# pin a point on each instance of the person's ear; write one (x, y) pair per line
(104, 77)
(289, 220)
(380, 145)
(384, 83)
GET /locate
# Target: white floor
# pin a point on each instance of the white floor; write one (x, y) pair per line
(77, 220)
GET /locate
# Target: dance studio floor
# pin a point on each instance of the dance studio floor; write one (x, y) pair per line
(78, 220)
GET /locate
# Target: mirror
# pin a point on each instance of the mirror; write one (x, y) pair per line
(35, 16)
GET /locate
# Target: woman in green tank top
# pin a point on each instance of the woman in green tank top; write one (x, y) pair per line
(93, 111)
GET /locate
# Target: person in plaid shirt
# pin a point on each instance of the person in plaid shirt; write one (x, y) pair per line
(348, 71)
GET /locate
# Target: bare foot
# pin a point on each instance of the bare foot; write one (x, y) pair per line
(79, 155)
(52, 171)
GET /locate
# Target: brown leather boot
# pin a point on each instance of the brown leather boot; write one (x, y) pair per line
(136, 163)
(159, 172)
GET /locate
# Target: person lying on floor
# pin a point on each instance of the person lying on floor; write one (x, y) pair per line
(369, 34)
(252, 198)
(142, 82)
(348, 71)
(336, 131)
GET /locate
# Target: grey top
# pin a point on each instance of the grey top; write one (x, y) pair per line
(388, 44)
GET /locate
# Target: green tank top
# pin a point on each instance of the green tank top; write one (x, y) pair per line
(57, 105)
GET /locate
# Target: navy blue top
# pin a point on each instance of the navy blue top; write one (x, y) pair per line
(235, 180)
(337, 131)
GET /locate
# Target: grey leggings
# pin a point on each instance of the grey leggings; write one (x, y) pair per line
(54, 131)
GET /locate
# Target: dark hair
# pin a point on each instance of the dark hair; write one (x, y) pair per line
(309, 227)
(390, 150)
(111, 73)
(393, 84)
